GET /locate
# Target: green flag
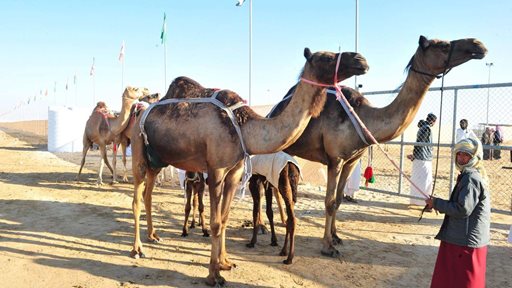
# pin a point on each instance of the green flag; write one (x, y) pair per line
(163, 35)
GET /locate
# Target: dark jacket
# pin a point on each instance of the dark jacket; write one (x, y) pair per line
(424, 135)
(468, 212)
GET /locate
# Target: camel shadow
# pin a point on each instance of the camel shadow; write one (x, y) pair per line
(61, 181)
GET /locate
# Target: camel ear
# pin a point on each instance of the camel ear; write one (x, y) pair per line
(307, 53)
(423, 42)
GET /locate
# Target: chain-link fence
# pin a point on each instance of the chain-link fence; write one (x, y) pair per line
(486, 111)
(485, 107)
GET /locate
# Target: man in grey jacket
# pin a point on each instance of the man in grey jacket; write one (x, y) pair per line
(464, 234)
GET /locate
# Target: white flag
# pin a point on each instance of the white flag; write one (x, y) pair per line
(121, 53)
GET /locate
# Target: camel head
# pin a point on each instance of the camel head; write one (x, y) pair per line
(134, 93)
(150, 98)
(320, 66)
(435, 56)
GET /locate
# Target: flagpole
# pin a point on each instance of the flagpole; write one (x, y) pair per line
(165, 66)
(250, 51)
(75, 98)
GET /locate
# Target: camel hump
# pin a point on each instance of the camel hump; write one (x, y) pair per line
(184, 87)
(354, 97)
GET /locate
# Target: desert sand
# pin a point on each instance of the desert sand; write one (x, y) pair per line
(56, 232)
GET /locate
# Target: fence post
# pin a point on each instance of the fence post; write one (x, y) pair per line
(400, 177)
(452, 146)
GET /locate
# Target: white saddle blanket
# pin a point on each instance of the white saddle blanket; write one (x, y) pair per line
(271, 165)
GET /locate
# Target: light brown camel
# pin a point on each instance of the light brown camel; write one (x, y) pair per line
(123, 139)
(102, 129)
(194, 189)
(201, 137)
(286, 186)
(332, 140)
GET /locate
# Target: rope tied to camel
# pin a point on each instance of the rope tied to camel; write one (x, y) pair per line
(355, 118)
(229, 111)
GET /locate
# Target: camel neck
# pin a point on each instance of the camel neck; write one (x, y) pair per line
(118, 124)
(389, 122)
(269, 135)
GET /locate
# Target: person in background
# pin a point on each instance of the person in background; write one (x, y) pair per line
(352, 184)
(487, 139)
(463, 132)
(465, 232)
(421, 159)
(497, 140)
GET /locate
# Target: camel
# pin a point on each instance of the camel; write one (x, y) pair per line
(331, 138)
(194, 187)
(201, 137)
(263, 182)
(123, 139)
(102, 129)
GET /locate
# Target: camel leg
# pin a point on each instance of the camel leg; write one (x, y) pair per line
(139, 172)
(103, 151)
(279, 201)
(86, 145)
(230, 186)
(125, 170)
(333, 171)
(255, 187)
(346, 170)
(194, 204)
(188, 192)
(148, 192)
(270, 214)
(288, 181)
(114, 162)
(215, 178)
(200, 192)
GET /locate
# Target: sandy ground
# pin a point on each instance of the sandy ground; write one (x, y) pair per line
(55, 232)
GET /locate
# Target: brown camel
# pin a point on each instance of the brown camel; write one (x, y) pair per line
(102, 129)
(286, 186)
(123, 139)
(201, 137)
(194, 189)
(332, 140)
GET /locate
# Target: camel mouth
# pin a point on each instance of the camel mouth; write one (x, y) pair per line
(360, 70)
(478, 55)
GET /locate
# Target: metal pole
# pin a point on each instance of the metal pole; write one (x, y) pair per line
(250, 51)
(165, 66)
(452, 147)
(356, 40)
(488, 92)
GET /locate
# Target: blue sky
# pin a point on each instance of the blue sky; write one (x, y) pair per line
(44, 42)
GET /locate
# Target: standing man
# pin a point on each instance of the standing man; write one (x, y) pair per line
(421, 158)
(463, 132)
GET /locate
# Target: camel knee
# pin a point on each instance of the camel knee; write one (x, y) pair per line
(215, 228)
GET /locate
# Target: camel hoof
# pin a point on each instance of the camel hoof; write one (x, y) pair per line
(154, 240)
(184, 234)
(205, 233)
(273, 243)
(283, 253)
(287, 261)
(217, 282)
(333, 253)
(249, 245)
(193, 225)
(263, 229)
(336, 240)
(226, 266)
(136, 255)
